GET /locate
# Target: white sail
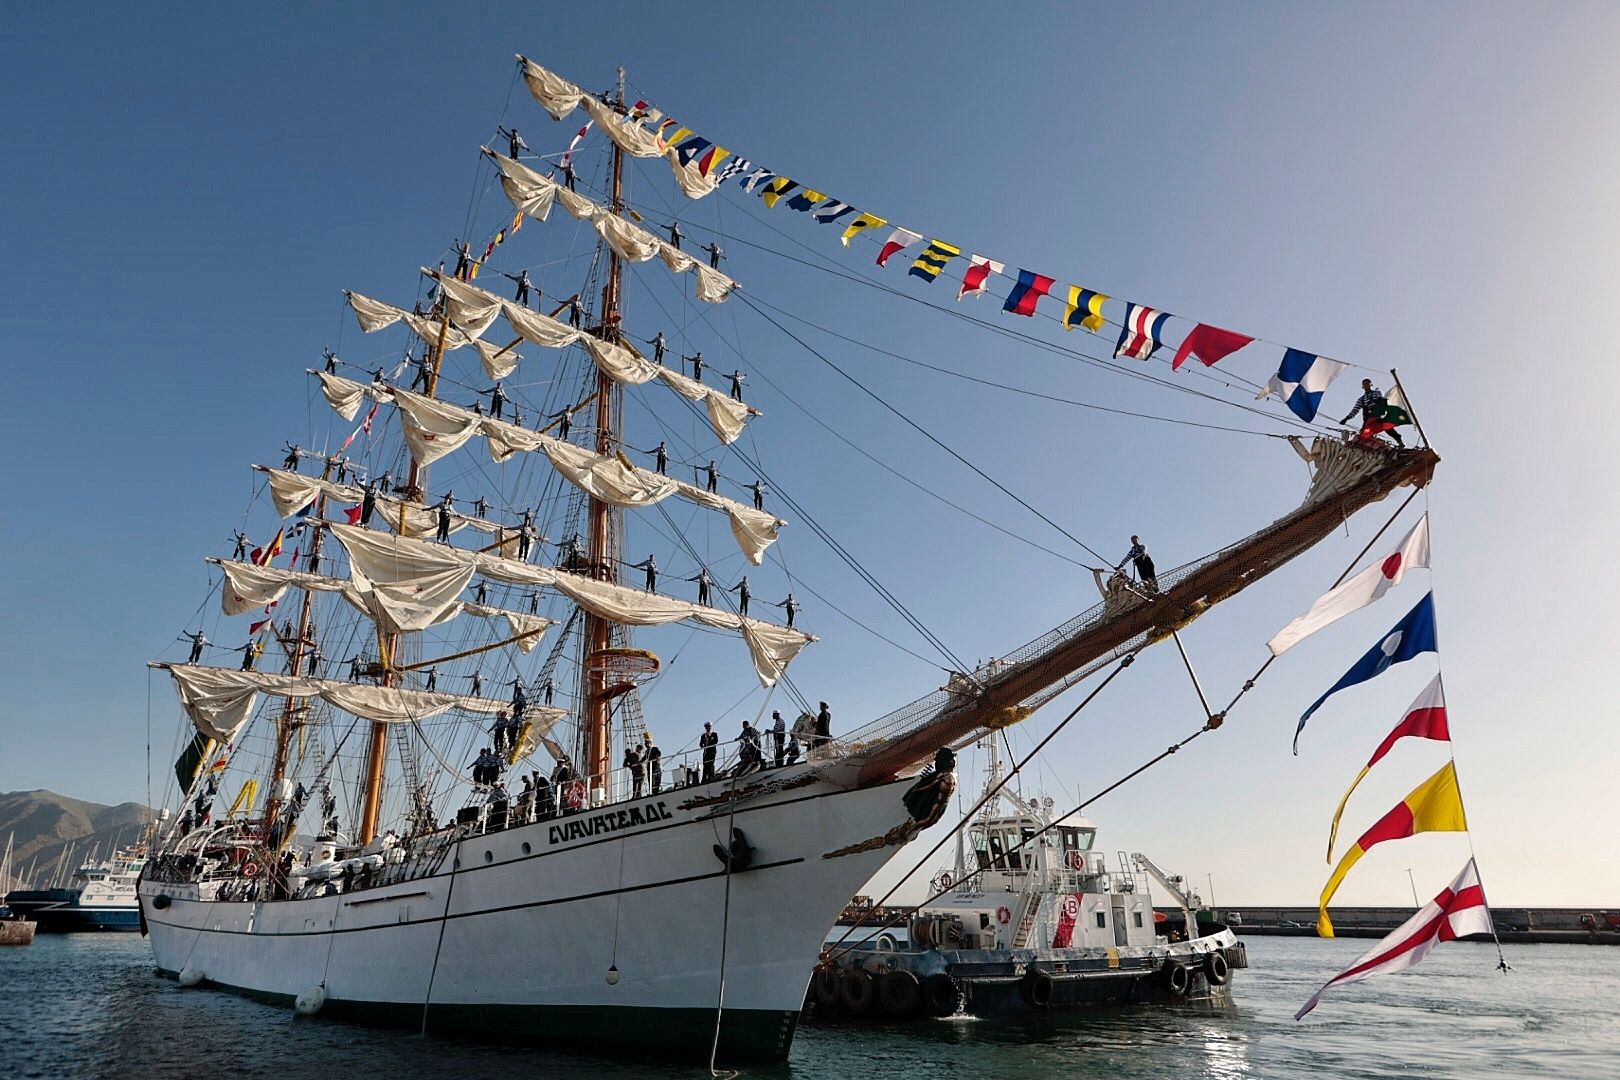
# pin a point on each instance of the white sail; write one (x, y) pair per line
(527, 630)
(406, 584)
(344, 395)
(631, 137)
(556, 95)
(433, 428)
(292, 492)
(249, 587)
(471, 308)
(630, 240)
(220, 700)
(540, 329)
(528, 191)
(693, 184)
(726, 415)
(415, 582)
(627, 238)
(373, 315)
(499, 361)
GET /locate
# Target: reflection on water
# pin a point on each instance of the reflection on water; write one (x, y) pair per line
(89, 1006)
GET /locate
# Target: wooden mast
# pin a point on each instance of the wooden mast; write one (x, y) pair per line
(604, 537)
(388, 643)
(284, 723)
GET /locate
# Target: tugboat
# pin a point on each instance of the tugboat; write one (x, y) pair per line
(1032, 918)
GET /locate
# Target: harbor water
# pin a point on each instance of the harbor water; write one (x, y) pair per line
(89, 1006)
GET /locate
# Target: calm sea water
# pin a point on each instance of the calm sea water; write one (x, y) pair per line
(89, 1006)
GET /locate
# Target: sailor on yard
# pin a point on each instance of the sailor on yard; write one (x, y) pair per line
(703, 582)
(743, 595)
(514, 142)
(239, 553)
(712, 476)
(477, 684)
(716, 253)
(660, 455)
(368, 504)
(197, 643)
(250, 653)
(291, 462)
(659, 345)
(497, 399)
(759, 494)
(697, 366)
(1138, 557)
(791, 606)
(331, 360)
(575, 311)
(737, 378)
(444, 520)
(651, 566)
(675, 235)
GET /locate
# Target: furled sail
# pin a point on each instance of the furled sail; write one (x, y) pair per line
(292, 492)
(433, 428)
(726, 415)
(499, 361)
(471, 308)
(249, 587)
(556, 95)
(418, 578)
(540, 329)
(527, 190)
(345, 395)
(374, 315)
(220, 700)
(559, 97)
(406, 584)
(631, 137)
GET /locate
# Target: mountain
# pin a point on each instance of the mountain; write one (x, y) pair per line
(43, 824)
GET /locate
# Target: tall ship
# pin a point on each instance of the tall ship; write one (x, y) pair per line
(420, 780)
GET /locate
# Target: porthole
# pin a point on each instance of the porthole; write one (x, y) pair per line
(526, 847)
(489, 856)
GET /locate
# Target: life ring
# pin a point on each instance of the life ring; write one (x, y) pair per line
(1003, 915)
(1216, 969)
(1177, 977)
(886, 942)
(856, 990)
(1075, 860)
(1037, 989)
(250, 869)
(899, 993)
(942, 995)
(825, 985)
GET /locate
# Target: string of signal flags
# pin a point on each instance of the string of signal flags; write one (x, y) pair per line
(1435, 805)
(701, 165)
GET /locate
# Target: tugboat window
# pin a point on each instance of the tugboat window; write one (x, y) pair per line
(1102, 920)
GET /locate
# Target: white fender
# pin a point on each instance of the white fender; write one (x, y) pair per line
(310, 1001)
(190, 976)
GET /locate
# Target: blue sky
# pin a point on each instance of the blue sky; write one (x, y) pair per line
(1429, 188)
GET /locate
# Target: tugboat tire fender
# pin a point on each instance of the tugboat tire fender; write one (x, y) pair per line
(942, 995)
(856, 989)
(825, 985)
(1216, 969)
(1037, 988)
(900, 993)
(1177, 977)
(160, 901)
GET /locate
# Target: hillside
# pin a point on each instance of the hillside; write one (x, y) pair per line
(44, 823)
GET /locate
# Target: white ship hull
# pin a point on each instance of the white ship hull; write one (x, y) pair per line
(517, 943)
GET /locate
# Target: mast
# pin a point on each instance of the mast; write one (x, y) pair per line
(285, 723)
(388, 643)
(604, 532)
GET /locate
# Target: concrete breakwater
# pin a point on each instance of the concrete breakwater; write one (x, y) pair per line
(1579, 926)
